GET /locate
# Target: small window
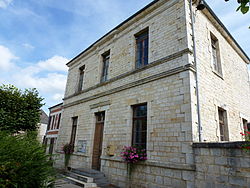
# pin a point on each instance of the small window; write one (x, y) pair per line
(246, 127)
(73, 132)
(81, 75)
(52, 123)
(49, 122)
(223, 125)
(141, 48)
(105, 66)
(139, 136)
(58, 122)
(216, 54)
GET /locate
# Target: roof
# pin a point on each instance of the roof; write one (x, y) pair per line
(125, 21)
(224, 27)
(43, 117)
(146, 7)
(56, 105)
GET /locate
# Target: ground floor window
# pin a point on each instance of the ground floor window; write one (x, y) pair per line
(139, 134)
(223, 125)
(73, 132)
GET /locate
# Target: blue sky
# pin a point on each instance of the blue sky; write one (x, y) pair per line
(37, 38)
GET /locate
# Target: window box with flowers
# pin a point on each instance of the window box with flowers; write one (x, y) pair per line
(131, 156)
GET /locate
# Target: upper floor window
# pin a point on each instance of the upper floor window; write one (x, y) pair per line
(105, 66)
(81, 75)
(58, 121)
(141, 48)
(216, 54)
(223, 125)
(139, 135)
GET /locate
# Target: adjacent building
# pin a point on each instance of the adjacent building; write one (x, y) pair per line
(55, 113)
(164, 78)
(42, 126)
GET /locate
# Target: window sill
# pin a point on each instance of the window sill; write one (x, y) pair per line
(218, 74)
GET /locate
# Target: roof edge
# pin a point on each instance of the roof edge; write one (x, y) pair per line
(56, 105)
(226, 30)
(125, 21)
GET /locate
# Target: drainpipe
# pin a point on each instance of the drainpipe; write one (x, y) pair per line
(196, 72)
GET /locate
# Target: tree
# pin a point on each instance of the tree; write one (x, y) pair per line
(243, 6)
(19, 110)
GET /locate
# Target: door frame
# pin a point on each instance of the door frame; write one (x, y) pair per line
(93, 110)
(100, 140)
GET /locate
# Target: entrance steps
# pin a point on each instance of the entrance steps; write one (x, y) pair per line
(87, 178)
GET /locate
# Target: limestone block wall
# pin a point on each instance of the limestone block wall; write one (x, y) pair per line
(230, 91)
(221, 165)
(149, 174)
(165, 21)
(169, 124)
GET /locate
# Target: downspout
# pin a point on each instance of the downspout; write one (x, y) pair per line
(196, 73)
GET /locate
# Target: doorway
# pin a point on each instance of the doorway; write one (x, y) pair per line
(97, 148)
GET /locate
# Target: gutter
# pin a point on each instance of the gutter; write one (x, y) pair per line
(196, 72)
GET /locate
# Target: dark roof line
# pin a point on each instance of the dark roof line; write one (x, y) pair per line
(131, 17)
(144, 8)
(224, 27)
(56, 105)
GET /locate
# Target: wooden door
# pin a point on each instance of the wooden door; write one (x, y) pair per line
(97, 148)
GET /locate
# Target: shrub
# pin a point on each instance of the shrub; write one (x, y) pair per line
(68, 149)
(23, 163)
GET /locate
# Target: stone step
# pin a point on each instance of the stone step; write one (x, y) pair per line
(99, 177)
(88, 172)
(80, 177)
(79, 183)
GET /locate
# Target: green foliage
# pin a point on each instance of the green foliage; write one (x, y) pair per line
(68, 149)
(19, 110)
(23, 163)
(243, 6)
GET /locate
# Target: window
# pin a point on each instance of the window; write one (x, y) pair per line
(49, 122)
(58, 122)
(246, 127)
(216, 54)
(105, 66)
(139, 134)
(73, 132)
(223, 124)
(52, 123)
(80, 83)
(141, 48)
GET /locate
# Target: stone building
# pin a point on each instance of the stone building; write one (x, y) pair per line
(164, 78)
(42, 126)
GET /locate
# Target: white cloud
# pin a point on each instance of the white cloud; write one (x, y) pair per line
(50, 83)
(28, 46)
(7, 58)
(43, 75)
(57, 96)
(4, 3)
(56, 63)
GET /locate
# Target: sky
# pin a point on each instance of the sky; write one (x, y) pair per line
(38, 38)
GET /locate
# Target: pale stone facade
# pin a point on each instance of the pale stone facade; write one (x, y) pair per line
(167, 85)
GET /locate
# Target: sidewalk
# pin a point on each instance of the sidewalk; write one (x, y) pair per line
(61, 183)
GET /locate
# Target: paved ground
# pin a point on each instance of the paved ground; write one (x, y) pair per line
(60, 183)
